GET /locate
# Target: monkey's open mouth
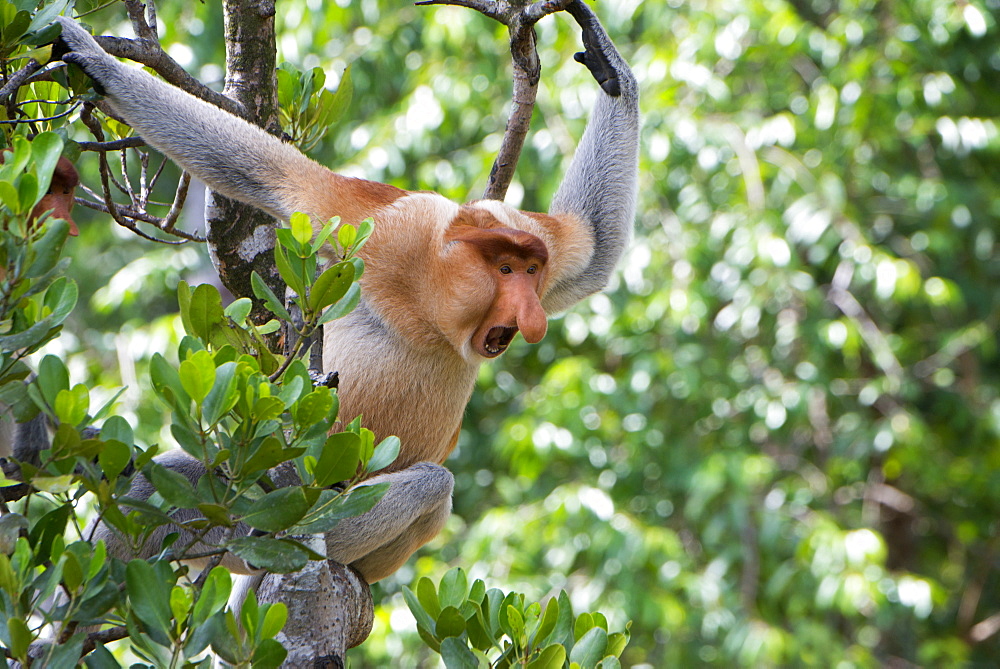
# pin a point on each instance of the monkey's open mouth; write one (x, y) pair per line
(497, 340)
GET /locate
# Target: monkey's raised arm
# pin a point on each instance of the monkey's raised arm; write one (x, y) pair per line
(600, 185)
(232, 156)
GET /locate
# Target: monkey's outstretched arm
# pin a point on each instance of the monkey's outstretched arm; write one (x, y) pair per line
(600, 184)
(232, 156)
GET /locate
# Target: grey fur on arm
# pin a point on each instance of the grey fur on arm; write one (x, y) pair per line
(601, 182)
(247, 161)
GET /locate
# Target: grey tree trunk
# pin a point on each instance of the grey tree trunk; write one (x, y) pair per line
(329, 605)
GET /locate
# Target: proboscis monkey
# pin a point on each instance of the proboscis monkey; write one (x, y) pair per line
(446, 286)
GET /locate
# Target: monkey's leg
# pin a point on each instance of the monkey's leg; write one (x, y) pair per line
(411, 513)
(142, 489)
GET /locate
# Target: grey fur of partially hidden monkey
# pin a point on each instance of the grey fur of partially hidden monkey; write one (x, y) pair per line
(446, 286)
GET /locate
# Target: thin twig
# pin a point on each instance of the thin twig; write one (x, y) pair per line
(47, 118)
(15, 80)
(527, 68)
(116, 145)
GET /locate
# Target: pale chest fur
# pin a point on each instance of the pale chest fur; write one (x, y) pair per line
(416, 394)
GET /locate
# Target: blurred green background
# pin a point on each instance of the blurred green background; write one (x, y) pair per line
(774, 440)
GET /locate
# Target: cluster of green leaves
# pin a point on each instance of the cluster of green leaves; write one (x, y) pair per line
(318, 299)
(35, 297)
(24, 24)
(235, 407)
(308, 108)
(476, 628)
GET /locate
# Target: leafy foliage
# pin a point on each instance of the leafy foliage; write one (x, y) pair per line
(472, 627)
(227, 412)
(750, 465)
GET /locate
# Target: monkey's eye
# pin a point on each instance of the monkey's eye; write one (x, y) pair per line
(505, 269)
(532, 269)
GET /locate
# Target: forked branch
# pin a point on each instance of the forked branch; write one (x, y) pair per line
(520, 19)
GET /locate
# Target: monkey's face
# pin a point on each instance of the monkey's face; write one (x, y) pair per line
(492, 276)
(515, 306)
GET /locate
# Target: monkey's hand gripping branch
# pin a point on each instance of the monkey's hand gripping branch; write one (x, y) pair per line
(520, 19)
(78, 47)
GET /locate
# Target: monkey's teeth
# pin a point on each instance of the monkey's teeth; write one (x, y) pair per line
(498, 338)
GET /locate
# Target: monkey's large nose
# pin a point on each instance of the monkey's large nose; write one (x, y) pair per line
(531, 320)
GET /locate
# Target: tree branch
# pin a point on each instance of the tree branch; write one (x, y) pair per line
(153, 56)
(520, 20)
(17, 79)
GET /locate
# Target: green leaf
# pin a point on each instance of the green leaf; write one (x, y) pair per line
(224, 394)
(46, 148)
(342, 98)
(343, 306)
(47, 14)
(590, 648)
(274, 620)
(101, 658)
(270, 454)
(427, 594)
(205, 312)
(173, 486)
(184, 305)
(47, 529)
(617, 643)
(20, 636)
(314, 407)
(30, 339)
(454, 588)
(290, 267)
(331, 285)
(167, 383)
(197, 375)
(270, 554)
(548, 622)
(71, 405)
(339, 459)
(53, 377)
(113, 458)
(324, 234)
(302, 229)
(180, 603)
(48, 248)
(60, 299)
(27, 190)
(10, 198)
(267, 408)
(385, 454)
(346, 235)
(449, 623)
(456, 654)
(214, 595)
(271, 301)
(149, 594)
(239, 310)
(278, 510)
(116, 428)
(552, 657)
(269, 653)
(423, 618)
(359, 500)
